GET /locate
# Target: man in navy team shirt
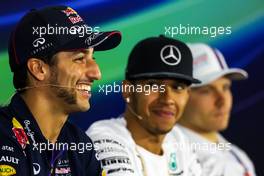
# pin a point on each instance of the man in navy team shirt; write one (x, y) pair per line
(53, 75)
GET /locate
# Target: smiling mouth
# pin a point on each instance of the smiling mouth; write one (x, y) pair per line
(164, 113)
(84, 89)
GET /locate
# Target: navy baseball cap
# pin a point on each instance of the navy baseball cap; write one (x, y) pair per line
(44, 32)
(160, 57)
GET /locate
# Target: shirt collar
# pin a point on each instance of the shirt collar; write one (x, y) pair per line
(24, 116)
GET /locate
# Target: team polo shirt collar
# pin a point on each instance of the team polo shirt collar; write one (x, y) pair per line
(27, 120)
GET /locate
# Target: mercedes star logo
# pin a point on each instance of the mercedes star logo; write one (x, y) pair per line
(170, 55)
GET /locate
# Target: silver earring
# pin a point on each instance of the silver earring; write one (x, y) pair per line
(127, 100)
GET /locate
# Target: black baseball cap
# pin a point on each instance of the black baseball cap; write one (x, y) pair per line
(46, 31)
(160, 57)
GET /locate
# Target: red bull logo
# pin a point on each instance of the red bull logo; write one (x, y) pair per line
(19, 133)
(69, 11)
(72, 15)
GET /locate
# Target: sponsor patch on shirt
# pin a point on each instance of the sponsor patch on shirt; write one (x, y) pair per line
(7, 148)
(64, 170)
(103, 173)
(19, 133)
(6, 170)
(9, 159)
(63, 167)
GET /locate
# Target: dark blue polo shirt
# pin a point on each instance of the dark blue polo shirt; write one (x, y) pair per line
(25, 151)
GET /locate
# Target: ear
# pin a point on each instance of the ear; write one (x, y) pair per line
(125, 93)
(37, 68)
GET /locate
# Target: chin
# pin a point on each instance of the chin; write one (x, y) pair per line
(222, 128)
(85, 108)
(163, 130)
(81, 108)
(83, 105)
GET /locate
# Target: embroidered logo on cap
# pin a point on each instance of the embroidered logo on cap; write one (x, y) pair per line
(38, 41)
(170, 55)
(72, 15)
(88, 40)
(69, 11)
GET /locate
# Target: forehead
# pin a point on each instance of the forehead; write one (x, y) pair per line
(75, 52)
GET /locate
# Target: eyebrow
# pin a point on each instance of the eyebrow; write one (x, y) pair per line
(84, 51)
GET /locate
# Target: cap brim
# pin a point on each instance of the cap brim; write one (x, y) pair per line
(233, 74)
(106, 41)
(99, 41)
(165, 75)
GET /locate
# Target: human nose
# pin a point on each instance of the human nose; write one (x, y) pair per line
(220, 98)
(92, 70)
(166, 96)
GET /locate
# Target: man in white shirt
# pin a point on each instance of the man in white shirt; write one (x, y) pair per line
(156, 90)
(208, 111)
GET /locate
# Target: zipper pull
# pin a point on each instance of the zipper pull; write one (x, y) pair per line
(51, 170)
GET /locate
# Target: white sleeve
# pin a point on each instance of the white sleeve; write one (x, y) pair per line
(222, 164)
(245, 159)
(111, 151)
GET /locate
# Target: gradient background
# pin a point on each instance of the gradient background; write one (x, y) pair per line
(140, 19)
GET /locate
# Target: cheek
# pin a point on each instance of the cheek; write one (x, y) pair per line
(182, 100)
(199, 105)
(69, 75)
(144, 102)
(229, 100)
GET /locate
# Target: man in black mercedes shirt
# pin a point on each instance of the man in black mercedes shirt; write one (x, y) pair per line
(54, 70)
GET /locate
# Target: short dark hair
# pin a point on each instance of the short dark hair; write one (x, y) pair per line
(20, 78)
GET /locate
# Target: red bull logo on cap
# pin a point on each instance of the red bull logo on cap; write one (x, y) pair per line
(70, 12)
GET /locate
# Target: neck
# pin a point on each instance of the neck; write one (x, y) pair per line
(49, 116)
(143, 137)
(212, 136)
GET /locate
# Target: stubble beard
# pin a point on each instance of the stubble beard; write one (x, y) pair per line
(67, 95)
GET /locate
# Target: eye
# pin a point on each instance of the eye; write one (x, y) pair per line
(179, 87)
(227, 87)
(79, 60)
